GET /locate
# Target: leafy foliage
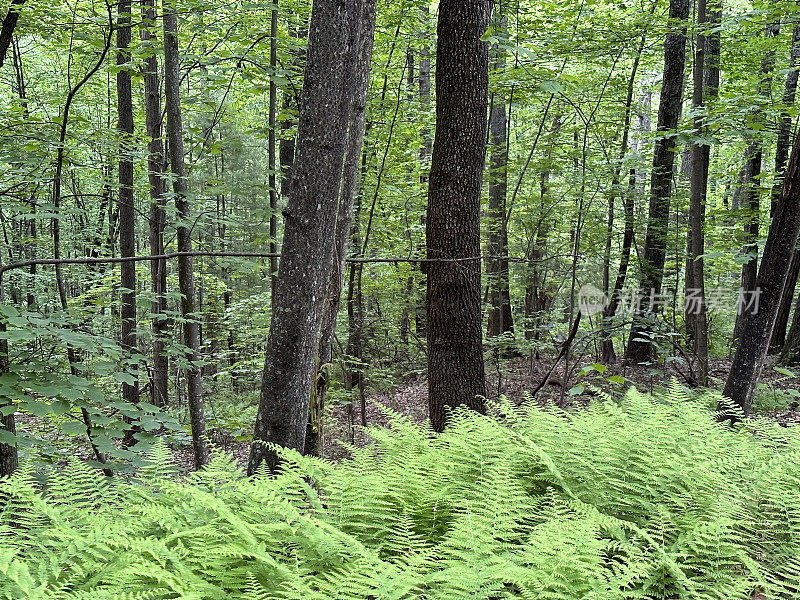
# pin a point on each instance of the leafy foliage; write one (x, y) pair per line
(645, 498)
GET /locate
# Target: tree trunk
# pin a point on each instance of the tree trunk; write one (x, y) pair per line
(157, 219)
(271, 161)
(9, 459)
(500, 318)
(9, 24)
(752, 181)
(127, 213)
(310, 218)
(453, 216)
(781, 156)
(609, 312)
(640, 345)
(191, 332)
(757, 324)
(344, 218)
(704, 88)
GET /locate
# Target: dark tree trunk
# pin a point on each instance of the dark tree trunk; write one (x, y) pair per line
(191, 329)
(271, 161)
(640, 346)
(9, 459)
(453, 217)
(705, 63)
(781, 156)
(127, 213)
(7, 31)
(310, 219)
(752, 181)
(157, 218)
(344, 218)
(424, 159)
(500, 317)
(757, 324)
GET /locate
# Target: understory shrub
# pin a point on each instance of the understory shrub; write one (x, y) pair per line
(648, 497)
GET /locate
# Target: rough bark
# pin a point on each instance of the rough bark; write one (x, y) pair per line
(157, 218)
(757, 325)
(309, 218)
(640, 346)
(453, 216)
(191, 333)
(127, 213)
(344, 218)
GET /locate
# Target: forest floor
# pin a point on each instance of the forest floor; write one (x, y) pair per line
(514, 378)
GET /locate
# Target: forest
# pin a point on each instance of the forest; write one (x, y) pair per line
(399, 299)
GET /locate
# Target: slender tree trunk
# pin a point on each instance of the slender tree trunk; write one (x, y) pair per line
(500, 318)
(640, 346)
(609, 312)
(752, 181)
(748, 362)
(272, 165)
(9, 459)
(127, 213)
(344, 218)
(191, 333)
(454, 199)
(310, 217)
(781, 156)
(424, 159)
(705, 62)
(157, 219)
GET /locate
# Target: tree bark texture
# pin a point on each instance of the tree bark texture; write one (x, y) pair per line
(455, 351)
(310, 219)
(757, 325)
(157, 217)
(191, 328)
(127, 213)
(344, 218)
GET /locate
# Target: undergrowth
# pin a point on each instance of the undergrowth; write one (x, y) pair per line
(645, 498)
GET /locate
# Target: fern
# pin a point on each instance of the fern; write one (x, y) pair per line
(646, 498)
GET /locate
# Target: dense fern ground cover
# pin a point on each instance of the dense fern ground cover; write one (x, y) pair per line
(642, 498)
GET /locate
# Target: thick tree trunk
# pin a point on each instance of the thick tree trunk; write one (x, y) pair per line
(191, 329)
(344, 218)
(157, 218)
(757, 324)
(127, 212)
(453, 217)
(310, 219)
(640, 345)
(781, 156)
